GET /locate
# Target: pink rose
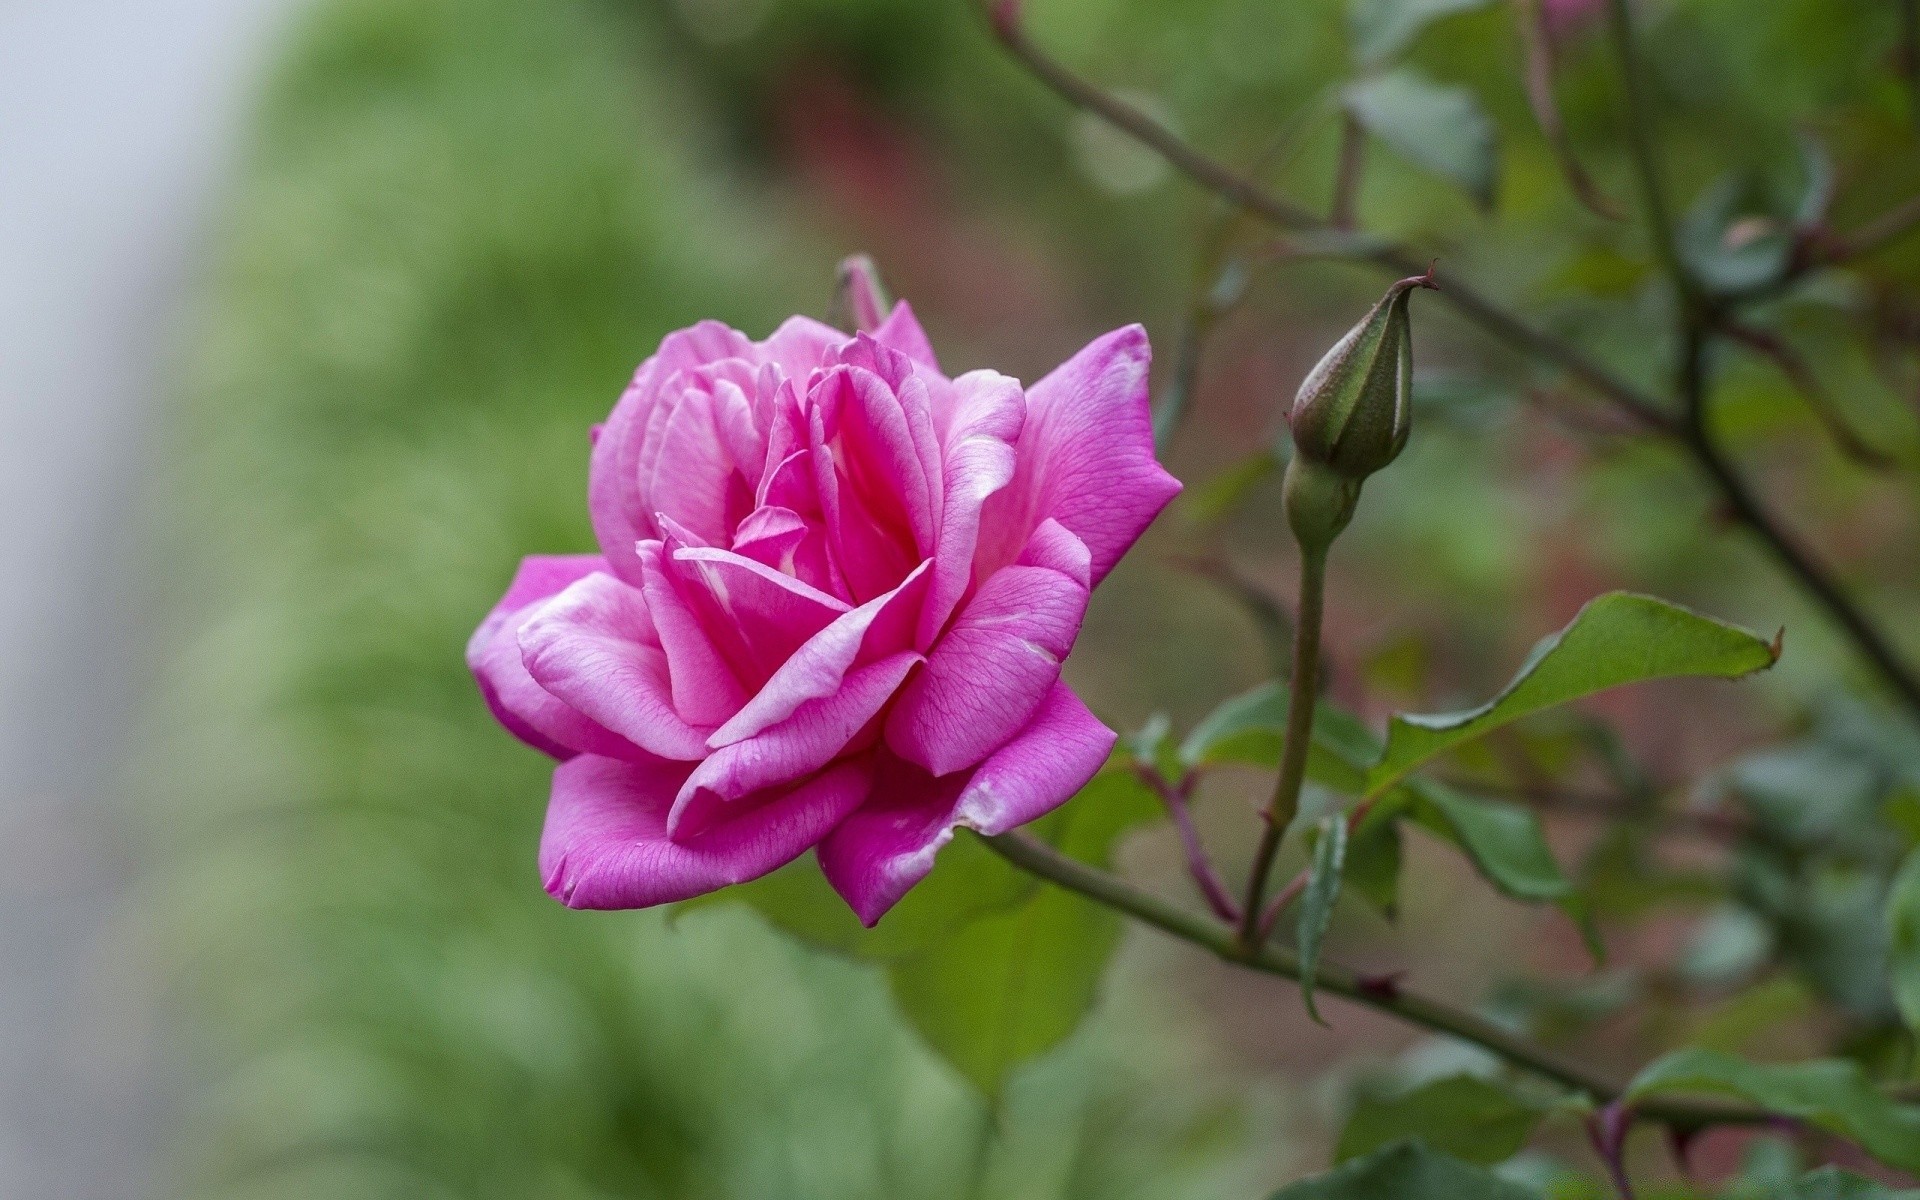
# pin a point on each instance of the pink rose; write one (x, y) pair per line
(836, 591)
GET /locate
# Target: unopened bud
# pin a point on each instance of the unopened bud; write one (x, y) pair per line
(859, 298)
(1354, 410)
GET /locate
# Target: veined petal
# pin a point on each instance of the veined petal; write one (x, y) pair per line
(886, 846)
(593, 646)
(989, 672)
(818, 732)
(881, 627)
(1085, 457)
(901, 331)
(704, 688)
(605, 844)
(755, 616)
(517, 701)
(979, 459)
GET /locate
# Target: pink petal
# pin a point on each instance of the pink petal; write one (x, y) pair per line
(1086, 457)
(621, 515)
(874, 856)
(606, 845)
(901, 331)
(527, 710)
(800, 345)
(877, 629)
(593, 646)
(875, 493)
(704, 689)
(755, 616)
(979, 461)
(818, 732)
(985, 677)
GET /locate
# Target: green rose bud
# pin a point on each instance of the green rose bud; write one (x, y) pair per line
(859, 298)
(1354, 410)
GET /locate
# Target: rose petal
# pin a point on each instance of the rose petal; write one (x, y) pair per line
(621, 514)
(1085, 457)
(985, 677)
(527, 710)
(901, 331)
(593, 646)
(979, 460)
(818, 732)
(885, 847)
(704, 689)
(754, 615)
(605, 844)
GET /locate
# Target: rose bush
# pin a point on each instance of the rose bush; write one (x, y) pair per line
(833, 598)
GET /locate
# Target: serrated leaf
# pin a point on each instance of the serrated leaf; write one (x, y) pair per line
(1618, 638)
(1439, 127)
(1833, 1094)
(1408, 1170)
(1316, 903)
(1007, 986)
(1903, 940)
(1383, 28)
(1469, 1118)
(1831, 1183)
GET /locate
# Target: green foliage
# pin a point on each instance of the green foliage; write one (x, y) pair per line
(1467, 1117)
(1832, 1094)
(1440, 127)
(1009, 985)
(1406, 1170)
(1831, 1183)
(1327, 868)
(1383, 28)
(1617, 639)
(1903, 939)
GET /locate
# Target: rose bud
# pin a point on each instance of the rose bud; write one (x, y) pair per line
(1354, 410)
(834, 590)
(859, 298)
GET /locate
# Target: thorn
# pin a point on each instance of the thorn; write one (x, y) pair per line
(1778, 644)
(1384, 987)
(1607, 1129)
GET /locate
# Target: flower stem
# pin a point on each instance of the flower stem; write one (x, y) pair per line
(1038, 858)
(1285, 803)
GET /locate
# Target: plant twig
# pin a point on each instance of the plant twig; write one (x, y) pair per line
(1222, 940)
(1646, 166)
(1176, 797)
(1346, 176)
(1800, 374)
(1531, 18)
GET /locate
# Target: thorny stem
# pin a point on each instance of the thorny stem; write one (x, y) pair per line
(1304, 688)
(1510, 328)
(1224, 941)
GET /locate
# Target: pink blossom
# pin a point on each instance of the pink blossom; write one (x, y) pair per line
(833, 598)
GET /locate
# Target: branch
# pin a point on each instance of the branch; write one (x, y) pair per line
(1646, 167)
(1043, 860)
(1175, 797)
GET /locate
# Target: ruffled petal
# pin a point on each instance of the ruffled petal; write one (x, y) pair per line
(621, 515)
(605, 844)
(704, 688)
(877, 629)
(527, 710)
(1085, 457)
(901, 331)
(989, 672)
(755, 616)
(593, 646)
(885, 847)
(979, 461)
(818, 732)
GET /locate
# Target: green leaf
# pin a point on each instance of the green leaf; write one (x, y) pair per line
(1831, 1183)
(1835, 1095)
(1249, 729)
(1010, 985)
(1406, 1170)
(1373, 863)
(1443, 129)
(1505, 841)
(1382, 28)
(1316, 903)
(1618, 638)
(1469, 1118)
(1903, 940)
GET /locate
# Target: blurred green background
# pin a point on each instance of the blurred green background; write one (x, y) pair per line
(459, 225)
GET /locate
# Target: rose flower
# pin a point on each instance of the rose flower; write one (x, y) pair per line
(834, 595)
